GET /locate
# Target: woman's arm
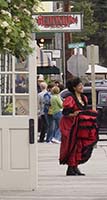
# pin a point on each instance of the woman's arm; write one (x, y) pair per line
(74, 114)
(69, 112)
(68, 105)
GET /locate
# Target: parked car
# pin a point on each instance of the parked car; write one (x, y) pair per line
(101, 104)
(99, 82)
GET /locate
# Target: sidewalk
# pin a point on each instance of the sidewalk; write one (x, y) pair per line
(53, 184)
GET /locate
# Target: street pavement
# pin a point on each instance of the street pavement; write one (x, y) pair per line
(53, 184)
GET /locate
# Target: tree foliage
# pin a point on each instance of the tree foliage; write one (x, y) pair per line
(100, 37)
(89, 25)
(16, 25)
(95, 24)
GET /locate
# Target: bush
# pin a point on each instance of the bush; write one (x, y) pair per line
(16, 26)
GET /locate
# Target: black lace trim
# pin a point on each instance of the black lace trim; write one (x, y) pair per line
(87, 151)
(87, 120)
(87, 127)
(80, 106)
(67, 111)
(89, 113)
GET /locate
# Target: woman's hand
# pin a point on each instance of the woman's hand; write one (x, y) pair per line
(74, 114)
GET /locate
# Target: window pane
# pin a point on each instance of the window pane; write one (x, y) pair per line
(89, 96)
(22, 105)
(6, 105)
(21, 65)
(103, 98)
(6, 62)
(21, 83)
(5, 83)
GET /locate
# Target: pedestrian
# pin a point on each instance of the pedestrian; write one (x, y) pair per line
(40, 79)
(48, 113)
(42, 121)
(19, 87)
(60, 85)
(78, 127)
(56, 104)
(57, 83)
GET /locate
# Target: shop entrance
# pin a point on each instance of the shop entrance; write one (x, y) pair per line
(18, 123)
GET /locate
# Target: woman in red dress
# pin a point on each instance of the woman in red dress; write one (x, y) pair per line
(78, 128)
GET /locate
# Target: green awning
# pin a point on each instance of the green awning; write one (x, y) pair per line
(48, 70)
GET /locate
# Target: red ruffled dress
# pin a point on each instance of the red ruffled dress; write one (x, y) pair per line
(78, 134)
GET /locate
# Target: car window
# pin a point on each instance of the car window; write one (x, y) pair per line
(89, 96)
(103, 98)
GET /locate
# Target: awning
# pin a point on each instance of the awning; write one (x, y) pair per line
(98, 70)
(48, 70)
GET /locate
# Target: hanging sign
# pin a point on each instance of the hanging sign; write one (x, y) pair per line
(59, 22)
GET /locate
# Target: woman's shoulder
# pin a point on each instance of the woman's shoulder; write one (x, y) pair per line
(69, 101)
(54, 97)
(69, 98)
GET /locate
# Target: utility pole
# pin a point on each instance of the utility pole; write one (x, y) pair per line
(93, 58)
(93, 78)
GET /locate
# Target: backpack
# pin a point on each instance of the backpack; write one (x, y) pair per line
(46, 101)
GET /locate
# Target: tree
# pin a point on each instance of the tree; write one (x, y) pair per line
(100, 37)
(16, 26)
(95, 25)
(89, 25)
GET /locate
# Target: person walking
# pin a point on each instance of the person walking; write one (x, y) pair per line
(79, 130)
(43, 121)
(56, 104)
(48, 113)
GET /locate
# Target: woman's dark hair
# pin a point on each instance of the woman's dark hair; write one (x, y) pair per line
(73, 83)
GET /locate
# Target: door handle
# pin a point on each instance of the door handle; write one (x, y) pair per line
(31, 131)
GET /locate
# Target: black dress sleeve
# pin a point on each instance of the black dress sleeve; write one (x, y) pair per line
(67, 111)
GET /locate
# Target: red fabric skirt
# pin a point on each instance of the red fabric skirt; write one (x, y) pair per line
(79, 135)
